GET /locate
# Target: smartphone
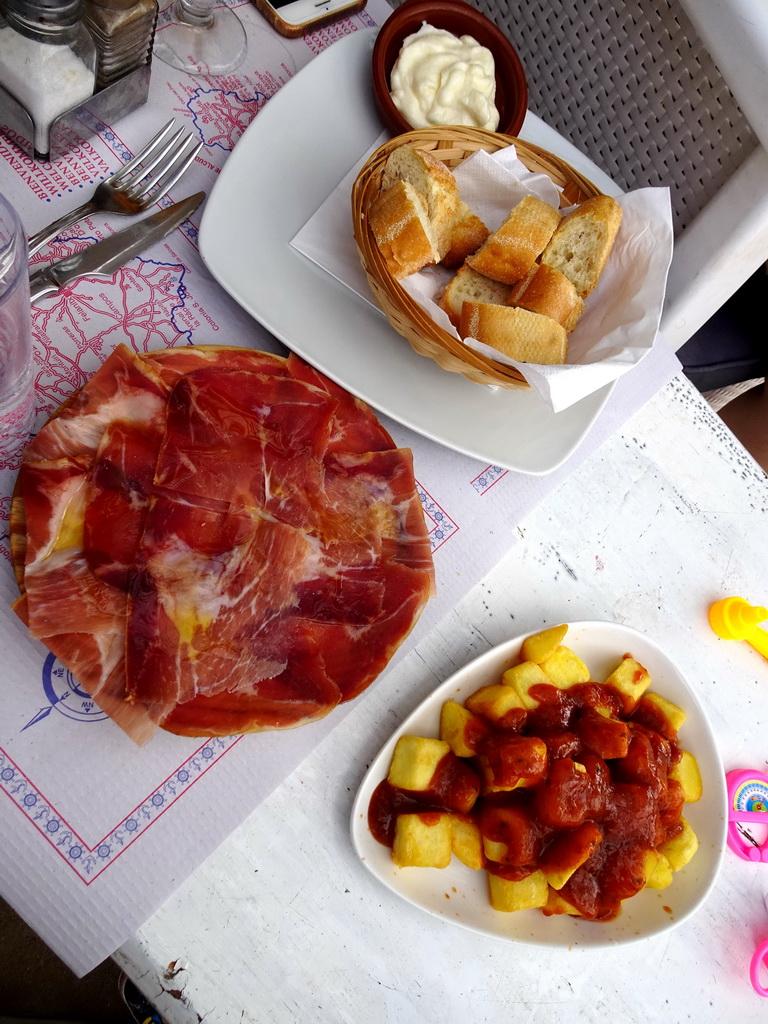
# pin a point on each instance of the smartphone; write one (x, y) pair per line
(295, 17)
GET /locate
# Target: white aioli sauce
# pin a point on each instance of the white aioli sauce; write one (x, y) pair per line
(439, 79)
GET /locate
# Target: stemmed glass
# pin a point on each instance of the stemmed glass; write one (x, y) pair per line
(199, 38)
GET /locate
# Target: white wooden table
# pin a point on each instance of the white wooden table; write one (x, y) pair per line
(284, 924)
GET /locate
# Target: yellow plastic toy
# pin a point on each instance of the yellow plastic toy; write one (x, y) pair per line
(734, 619)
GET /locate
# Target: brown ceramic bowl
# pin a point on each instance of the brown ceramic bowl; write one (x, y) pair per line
(461, 19)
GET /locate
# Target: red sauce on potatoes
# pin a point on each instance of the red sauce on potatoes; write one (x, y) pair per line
(603, 793)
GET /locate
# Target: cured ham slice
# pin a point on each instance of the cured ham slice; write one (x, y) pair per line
(372, 498)
(134, 719)
(99, 670)
(248, 439)
(80, 619)
(207, 581)
(355, 427)
(120, 485)
(321, 639)
(174, 363)
(51, 491)
(280, 704)
(62, 590)
(220, 541)
(123, 388)
(57, 577)
(355, 596)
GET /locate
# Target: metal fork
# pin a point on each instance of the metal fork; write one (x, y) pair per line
(136, 185)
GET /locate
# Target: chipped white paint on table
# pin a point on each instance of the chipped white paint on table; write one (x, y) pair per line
(283, 924)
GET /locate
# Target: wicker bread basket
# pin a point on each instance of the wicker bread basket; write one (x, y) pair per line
(451, 145)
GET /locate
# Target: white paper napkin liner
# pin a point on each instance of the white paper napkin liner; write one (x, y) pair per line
(491, 184)
(621, 317)
(327, 238)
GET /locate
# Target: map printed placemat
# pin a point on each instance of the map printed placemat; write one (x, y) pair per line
(97, 832)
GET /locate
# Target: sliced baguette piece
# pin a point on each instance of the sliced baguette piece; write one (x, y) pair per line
(518, 333)
(432, 180)
(402, 229)
(467, 235)
(467, 285)
(509, 252)
(582, 243)
(547, 291)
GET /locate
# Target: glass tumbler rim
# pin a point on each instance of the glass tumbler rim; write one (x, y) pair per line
(13, 248)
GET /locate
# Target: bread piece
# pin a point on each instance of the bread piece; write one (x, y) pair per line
(582, 243)
(432, 180)
(402, 229)
(518, 333)
(547, 291)
(467, 285)
(510, 252)
(467, 235)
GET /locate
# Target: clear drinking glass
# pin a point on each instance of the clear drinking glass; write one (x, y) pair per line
(17, 396)
(198, 37)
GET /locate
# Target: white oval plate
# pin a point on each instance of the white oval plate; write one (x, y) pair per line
(460, 895)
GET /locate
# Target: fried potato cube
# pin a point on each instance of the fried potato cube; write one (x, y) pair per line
(509, 834)
(415, 760)
(538, 647)
(429, 769)
(460, 728)
(522, 678)
(494, 850)
(564, 799)
(557, 905)
(631, 680)
(687, 773)
(494, 702)
(681, 848)
(568, 851)
(658, 870)
(604, 735)
(488, 787)
(641, 762)
(422, 840)
(523, 894)
(565, 668)
(466, 842)
(671, 803)
(510, 762)
(667, 717)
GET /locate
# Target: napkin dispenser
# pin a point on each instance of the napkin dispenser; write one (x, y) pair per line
(79, 123)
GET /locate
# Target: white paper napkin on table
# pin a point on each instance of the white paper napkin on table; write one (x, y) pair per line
(621, 317)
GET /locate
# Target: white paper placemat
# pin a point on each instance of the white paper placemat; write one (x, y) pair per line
(97, 833)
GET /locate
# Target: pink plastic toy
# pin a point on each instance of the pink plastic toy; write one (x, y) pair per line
(754, 968)
(747, 801)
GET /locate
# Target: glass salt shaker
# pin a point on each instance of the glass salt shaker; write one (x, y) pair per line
(47, 60)
(124, 31)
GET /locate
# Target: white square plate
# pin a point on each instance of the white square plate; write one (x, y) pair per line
(460, 895)
(291, 157)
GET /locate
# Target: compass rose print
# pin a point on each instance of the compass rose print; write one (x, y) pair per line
(65, 695)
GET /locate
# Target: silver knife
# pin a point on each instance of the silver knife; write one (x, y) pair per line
(104, 258)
